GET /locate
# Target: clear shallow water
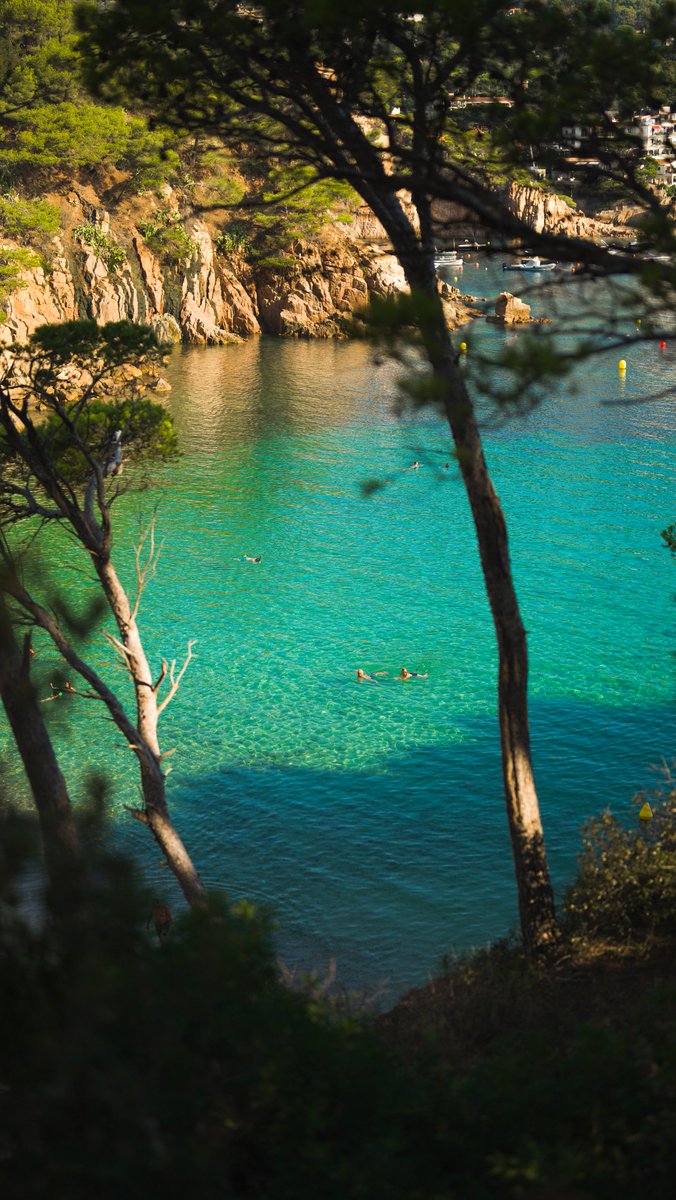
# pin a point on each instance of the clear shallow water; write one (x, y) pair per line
(371, 817)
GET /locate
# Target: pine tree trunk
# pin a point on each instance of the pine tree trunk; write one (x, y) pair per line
(156, 816)
(539, 927)
(536, 902)
(37, 753)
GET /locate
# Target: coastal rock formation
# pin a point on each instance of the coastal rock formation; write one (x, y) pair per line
(509, 310)
(541, 210)
(546, 212)
(458, 308)
(196, 294)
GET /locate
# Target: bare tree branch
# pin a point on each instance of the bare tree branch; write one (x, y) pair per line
(175, 680)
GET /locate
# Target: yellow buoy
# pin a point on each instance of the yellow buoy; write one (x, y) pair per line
(463, 347)
(638, 320)
(646, 813)
(622, 365)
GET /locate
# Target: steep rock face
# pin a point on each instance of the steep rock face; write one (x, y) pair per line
(46, 299)
(541, 211)
(545, 212)
(336, 281)
(201, 297)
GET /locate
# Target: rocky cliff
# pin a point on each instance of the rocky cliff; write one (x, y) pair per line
(546, 212)
(199, 295)
(540, 210)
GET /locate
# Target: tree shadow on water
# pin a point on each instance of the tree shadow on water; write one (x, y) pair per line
(389, 869)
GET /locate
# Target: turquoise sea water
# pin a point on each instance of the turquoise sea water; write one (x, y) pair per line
(371, 816)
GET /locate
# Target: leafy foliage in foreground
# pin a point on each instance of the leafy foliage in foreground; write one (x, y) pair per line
(181, 1069)
(187, 1068)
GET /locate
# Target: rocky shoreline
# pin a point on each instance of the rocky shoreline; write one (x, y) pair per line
(208, 297)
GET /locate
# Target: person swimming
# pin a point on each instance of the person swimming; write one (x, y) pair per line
(250, 558)
(364, 678)
(404, 674)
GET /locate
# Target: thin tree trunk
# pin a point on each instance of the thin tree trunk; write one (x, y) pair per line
(37, 752)
(153, 785)
(156, 817)
(536, 901)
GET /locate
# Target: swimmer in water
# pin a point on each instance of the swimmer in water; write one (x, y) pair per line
(250, 558)
(364, 678)
(414, 466)
(404, 674)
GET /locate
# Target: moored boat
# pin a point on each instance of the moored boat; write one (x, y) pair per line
(530, 264)
(448, 258)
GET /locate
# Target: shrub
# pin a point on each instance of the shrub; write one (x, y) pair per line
(186, 1068)
(626, 883)
(109, 251)
(165, 234)
(233, 240)
(22, 217)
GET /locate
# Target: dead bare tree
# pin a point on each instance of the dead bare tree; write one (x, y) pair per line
(65, 437)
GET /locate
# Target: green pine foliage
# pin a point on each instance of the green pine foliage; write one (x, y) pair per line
(294, 207)
(46, 119)
(27, 219)
(148, 435)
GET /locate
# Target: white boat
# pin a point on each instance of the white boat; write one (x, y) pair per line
(530, 264)
(448, 258)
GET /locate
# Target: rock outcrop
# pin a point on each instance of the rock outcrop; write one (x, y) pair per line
(198, 294)
(509, 310)
(540, 210)
(201, 297)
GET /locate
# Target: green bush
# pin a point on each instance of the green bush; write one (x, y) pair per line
(279, 262)
(183, 1069)
(109, 251)
(626, 883)
(165, 234)
(235, 239)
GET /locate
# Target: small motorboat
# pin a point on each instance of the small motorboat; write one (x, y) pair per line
(449, 259)
(530, 264)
